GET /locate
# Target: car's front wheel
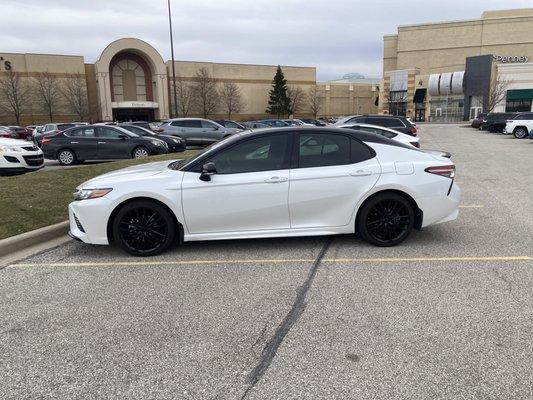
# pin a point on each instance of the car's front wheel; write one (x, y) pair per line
(66, 157)
(140, 152)
(520, 133)
(386, 220)
(144, 228)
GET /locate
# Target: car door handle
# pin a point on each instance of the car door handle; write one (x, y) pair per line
(360, 172)
(73, 142)
(101, 142)
(276, 179)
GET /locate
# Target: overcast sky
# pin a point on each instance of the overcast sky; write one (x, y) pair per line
(336, 36)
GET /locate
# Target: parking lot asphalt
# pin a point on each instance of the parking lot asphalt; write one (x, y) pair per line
(447, 314)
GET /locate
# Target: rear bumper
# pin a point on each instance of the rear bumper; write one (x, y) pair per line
(439, 209)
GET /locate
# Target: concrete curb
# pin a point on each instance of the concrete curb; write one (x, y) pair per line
(19, 242)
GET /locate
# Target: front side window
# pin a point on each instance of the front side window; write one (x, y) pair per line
(207, 124)
(323, 149)
(191, 123)
(176, 123)
(82, 133)
(109, 133)
(267, 153)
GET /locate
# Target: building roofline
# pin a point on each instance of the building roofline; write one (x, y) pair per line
(41, 54)
(246, 64)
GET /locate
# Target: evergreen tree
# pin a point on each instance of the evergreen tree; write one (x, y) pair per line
(279, 102)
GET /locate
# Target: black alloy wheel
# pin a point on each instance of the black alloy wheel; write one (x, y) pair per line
(386, 220)
(144, 228)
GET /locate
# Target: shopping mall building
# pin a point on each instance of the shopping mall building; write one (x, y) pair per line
(448, 70)
(131, 81)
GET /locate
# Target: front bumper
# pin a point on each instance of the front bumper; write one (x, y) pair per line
(20, 162)
(88, 220)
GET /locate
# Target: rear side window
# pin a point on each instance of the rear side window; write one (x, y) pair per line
(360, 120)
(360, 152)
(194, 123)
(62, 127)
(323, 149)
(380, 132)
(387, 122)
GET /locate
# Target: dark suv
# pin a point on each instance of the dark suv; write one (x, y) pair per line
(396, 122)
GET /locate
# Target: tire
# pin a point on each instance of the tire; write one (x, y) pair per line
(386, 220)
(144, 228)
(140, 152)
(66, 157)
(520, 132)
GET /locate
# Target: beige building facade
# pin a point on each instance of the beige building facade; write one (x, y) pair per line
(131, 81)
(423, 65)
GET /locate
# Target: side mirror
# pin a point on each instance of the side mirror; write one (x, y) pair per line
(216, 128)
(208, 170)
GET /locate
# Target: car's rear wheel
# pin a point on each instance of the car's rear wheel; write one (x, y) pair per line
(140, 152)
(144, 228)
(66, 157)
(520, 133)
(386, 219)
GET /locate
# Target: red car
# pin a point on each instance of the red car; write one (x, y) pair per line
(21, 132)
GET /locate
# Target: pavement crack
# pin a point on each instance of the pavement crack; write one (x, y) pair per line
(297, 309)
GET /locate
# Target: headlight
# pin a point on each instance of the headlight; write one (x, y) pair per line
(176, 140)
(85, 194)
(157, 143)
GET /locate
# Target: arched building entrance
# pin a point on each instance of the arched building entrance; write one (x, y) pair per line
(132, 82)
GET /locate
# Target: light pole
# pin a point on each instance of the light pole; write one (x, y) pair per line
(173, 67)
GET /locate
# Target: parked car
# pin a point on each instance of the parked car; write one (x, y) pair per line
(99, 142)
(476, 122)
(22, 132)
(19, 156)
(146, 125)
(520, 125)
(49, 130)
(386, 132)
(274, 123)
(531, 134)
(495, 122)
(396, 122)
(196, 131)
(5, 132)
(315, 122)
(380, 200)
(255, 125)
(174, 143)
(296, 122)
(226, 123)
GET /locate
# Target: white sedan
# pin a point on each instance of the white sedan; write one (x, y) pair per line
(270, 183)
(386, 132)
(19, 156)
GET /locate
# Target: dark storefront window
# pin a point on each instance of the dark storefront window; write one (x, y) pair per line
(518, 105)
(398, 103)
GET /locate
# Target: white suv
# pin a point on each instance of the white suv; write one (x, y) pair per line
(19, 157)
(520, 125)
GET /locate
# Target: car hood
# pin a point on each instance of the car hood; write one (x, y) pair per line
(129, 174)
(13, 142)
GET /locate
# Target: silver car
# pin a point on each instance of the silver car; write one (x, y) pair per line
(196, 131)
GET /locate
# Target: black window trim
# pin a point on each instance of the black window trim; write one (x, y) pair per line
(286, 159)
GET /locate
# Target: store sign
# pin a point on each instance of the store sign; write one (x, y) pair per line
(511, 59)
(5, 65)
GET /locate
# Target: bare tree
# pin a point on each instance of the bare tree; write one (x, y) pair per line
(497, 93)
(313, 100)
(74, 91)
(48, 92)
(184, 94)
(296, 97)
(205, 93)
(231, 98)
(14, 95)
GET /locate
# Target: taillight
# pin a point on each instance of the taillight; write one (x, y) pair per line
(158, 130)
(412, 130)
(416, 144)
(443, 170)
(45, 140)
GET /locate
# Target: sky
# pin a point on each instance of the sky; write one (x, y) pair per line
(335, 36)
